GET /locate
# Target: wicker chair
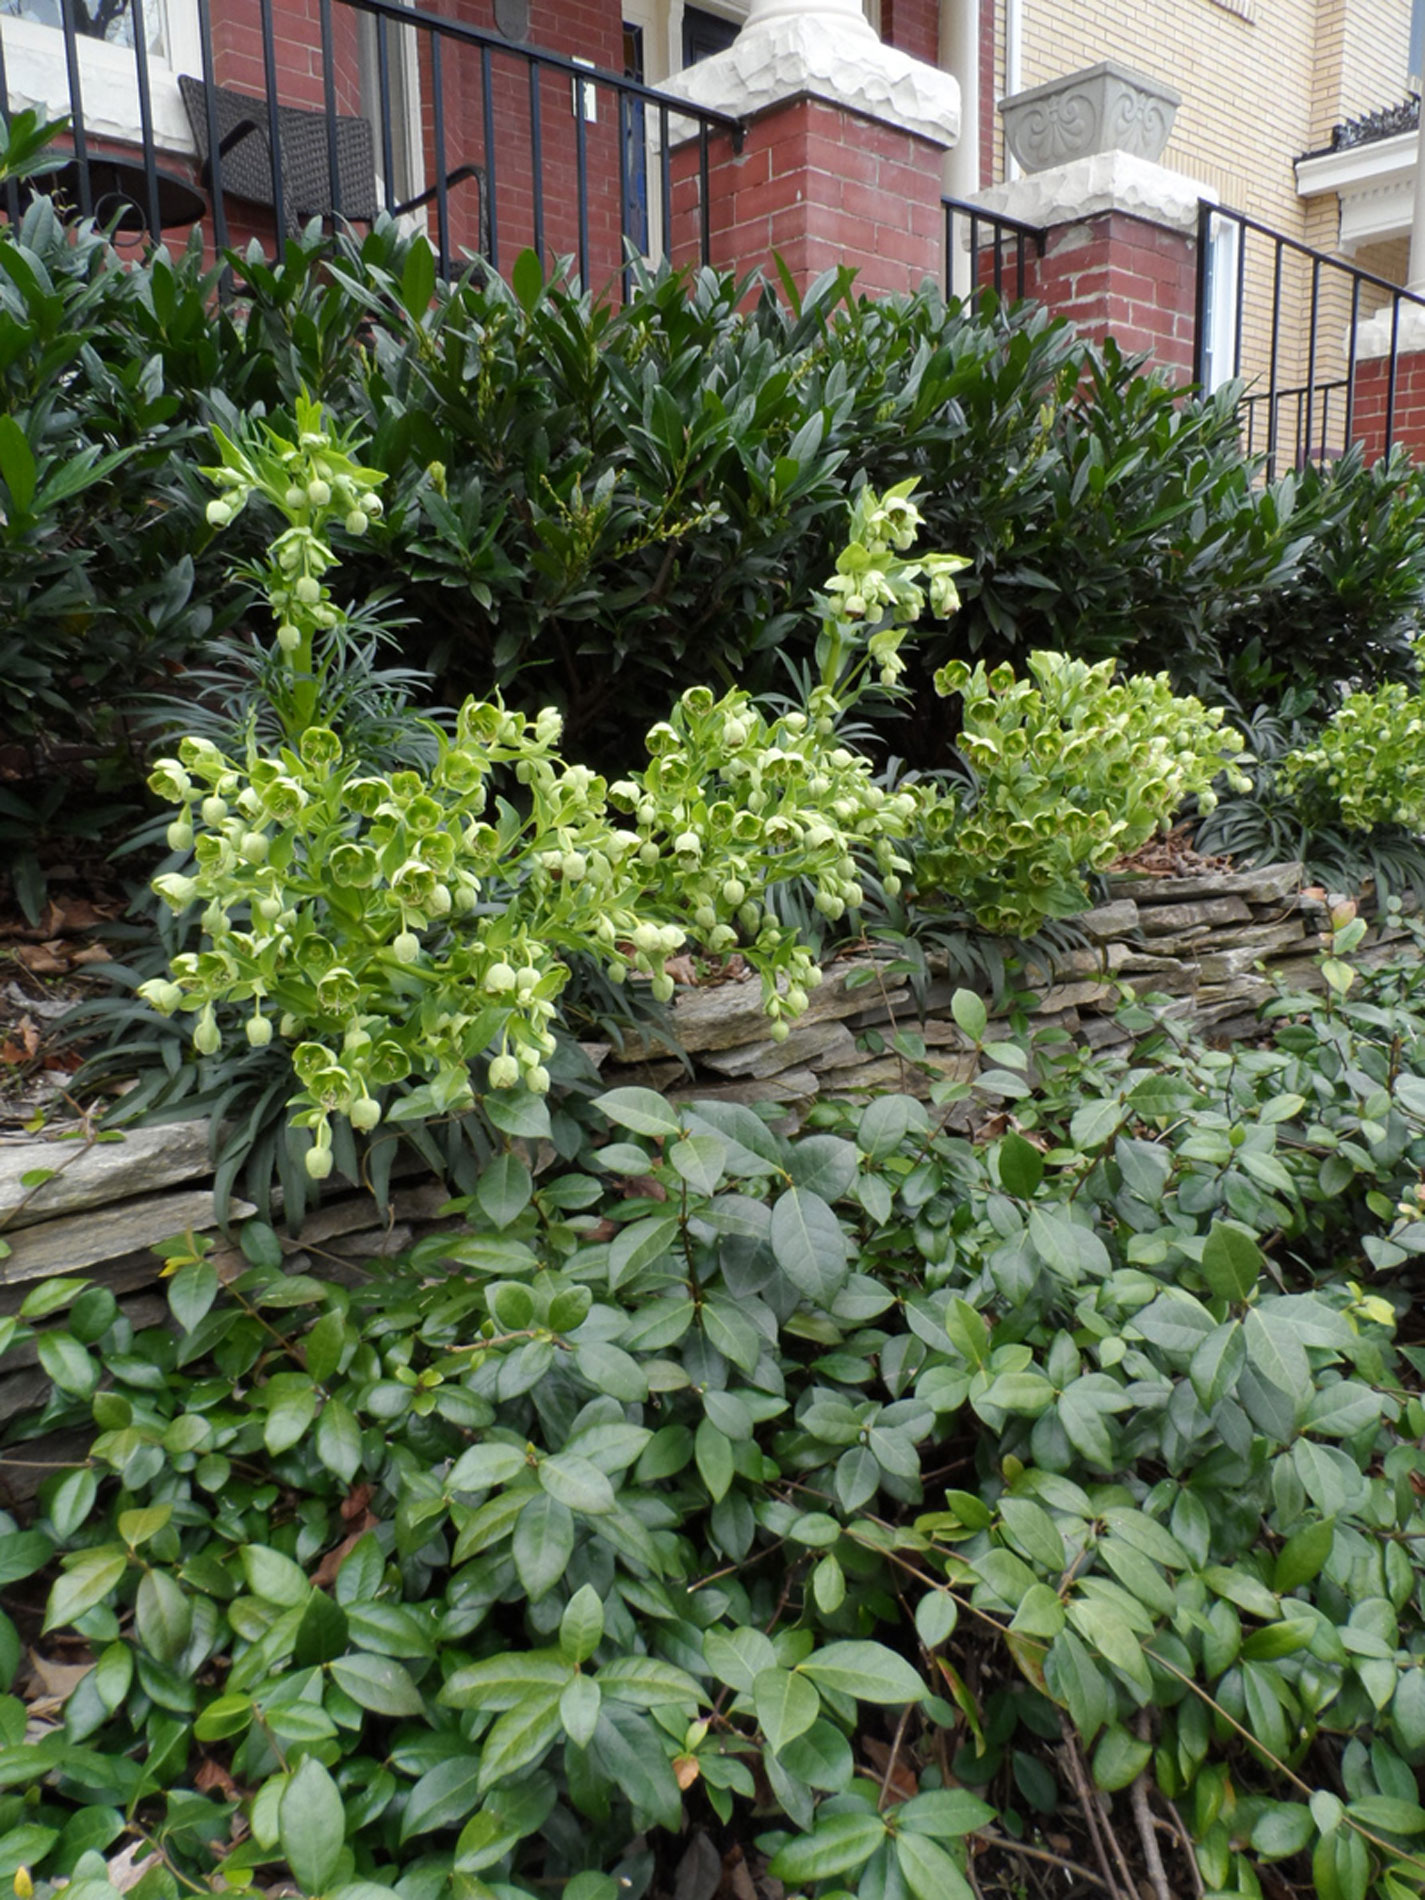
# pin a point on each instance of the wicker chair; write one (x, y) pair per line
(245, 158)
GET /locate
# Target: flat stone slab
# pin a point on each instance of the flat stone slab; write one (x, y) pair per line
(76, 1241)
(98, 1173)
(1163, 920)
(1118, 919)
(723, 1015)
(807, 1044)
(1268, 884)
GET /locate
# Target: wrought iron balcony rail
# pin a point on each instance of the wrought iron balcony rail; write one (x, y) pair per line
(1287, 320)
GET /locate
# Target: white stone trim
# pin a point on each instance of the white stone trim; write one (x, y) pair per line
(787, 50)
(1374, 334)
(1375, 183)
(36, 77)
(1105, 181)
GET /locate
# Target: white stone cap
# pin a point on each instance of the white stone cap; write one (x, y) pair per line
(1104, 181)
(1373, 334)
(824, 49)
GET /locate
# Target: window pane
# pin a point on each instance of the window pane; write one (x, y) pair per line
(111, 20)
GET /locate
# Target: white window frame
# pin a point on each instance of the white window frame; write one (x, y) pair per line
(36, 76)
(1224, 261)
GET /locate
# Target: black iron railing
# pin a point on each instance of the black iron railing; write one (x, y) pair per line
(1287, 319)
(995, 254)
(497, 144)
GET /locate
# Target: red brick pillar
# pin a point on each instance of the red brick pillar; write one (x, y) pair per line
(1119, 254)
(819, 186)
(1389, 410)
(841, 154)
(1120, 276)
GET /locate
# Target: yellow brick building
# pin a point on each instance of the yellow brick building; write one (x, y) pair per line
(1264, 83)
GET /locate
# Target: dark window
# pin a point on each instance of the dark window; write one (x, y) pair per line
(705, 34)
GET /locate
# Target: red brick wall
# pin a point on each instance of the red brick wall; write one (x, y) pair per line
(1119, 276)
(1372, 397)
(820, 186)
(989, 93)
(590, 29)
(913, 26)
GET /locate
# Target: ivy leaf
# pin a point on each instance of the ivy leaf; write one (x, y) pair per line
(1231, 1262)
(273, 1577)
(378, 1683)
(809, 1244)
(504, 1189)
(443, 1796)
(839, 1843)
(642, 1111)
(929, 1871)
(543, 1544)
(84, 1583)
(338, 1440)
(163, 1616)
(868, 1671)
(520, 1736)
(579, 1707)
(311, 1824)
(786, 1705)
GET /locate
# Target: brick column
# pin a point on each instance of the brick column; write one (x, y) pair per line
(1120, 251)
(1373, 404)
(820, 186)
(842, 154)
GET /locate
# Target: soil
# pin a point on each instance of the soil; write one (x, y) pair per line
(45, 969)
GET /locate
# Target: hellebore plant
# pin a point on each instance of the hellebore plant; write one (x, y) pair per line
(397, 929)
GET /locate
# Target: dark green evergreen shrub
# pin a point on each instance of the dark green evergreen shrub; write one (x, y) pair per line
(591, 505)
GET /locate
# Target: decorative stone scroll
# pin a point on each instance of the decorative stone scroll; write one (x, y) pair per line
(1104, 108)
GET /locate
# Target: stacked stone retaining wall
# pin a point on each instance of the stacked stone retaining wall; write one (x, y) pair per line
(1213, 945)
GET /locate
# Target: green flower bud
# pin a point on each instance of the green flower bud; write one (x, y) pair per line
(177, 892)
(318, 1163)
(407, 946)
(218, 513)
(295, 497)
(504, 1072)
(259, 1030)
(319, 493)
(180, 835)
(499, 979)
(778, 1031)
(537, 1080)
(161, 995)
(365, 1114)
(308, 591)
(288, 637)
(662, 987)
(214, 809)
(254, 846)
(169, 781)
(355, 523)
(207, 1037)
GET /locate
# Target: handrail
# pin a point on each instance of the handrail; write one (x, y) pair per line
(1317, 270)
(1002, 229)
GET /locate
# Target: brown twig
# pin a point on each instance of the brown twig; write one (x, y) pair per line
(1099, 1831)
(1143, 1816)
(891, 1759)
(1050, 1859)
